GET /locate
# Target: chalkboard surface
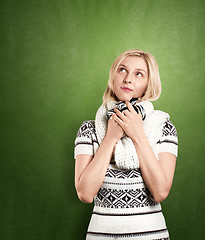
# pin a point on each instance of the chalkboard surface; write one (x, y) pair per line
(55, 61)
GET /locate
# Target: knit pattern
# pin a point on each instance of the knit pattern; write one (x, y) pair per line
(86, 140)
(125, 154)
(124, 207)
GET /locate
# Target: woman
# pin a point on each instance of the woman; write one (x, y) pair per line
(125, 159)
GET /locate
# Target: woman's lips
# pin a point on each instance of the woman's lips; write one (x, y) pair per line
(126, 89)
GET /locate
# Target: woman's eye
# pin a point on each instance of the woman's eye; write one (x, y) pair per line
(122, 70)
(139, 74)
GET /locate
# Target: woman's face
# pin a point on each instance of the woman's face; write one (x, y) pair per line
(131, 78)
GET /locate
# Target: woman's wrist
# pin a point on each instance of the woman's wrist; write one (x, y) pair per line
(110, 140)
(140, 139)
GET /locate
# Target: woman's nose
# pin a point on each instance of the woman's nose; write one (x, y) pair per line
(127, 79)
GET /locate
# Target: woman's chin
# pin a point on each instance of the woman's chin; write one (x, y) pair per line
(126, 98)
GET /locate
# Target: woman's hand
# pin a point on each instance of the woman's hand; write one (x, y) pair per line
(130, 121)
(114, 130)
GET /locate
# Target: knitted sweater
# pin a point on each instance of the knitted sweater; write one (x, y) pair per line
(86, 139)
(124, 207)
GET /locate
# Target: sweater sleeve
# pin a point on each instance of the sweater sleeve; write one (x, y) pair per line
(168, 141)
(84, 139)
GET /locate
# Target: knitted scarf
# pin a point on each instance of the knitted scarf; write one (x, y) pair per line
(125, 154)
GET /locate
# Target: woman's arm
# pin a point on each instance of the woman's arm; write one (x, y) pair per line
(158, 174)
(90, 171)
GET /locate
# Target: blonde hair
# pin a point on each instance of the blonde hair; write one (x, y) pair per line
(153, 89)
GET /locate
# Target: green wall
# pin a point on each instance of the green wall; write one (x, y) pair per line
(55, 59)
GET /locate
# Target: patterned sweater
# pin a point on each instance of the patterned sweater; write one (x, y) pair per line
(124, 207)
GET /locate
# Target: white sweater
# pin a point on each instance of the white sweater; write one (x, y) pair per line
(124, 207)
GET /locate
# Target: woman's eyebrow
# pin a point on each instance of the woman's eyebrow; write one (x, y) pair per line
(141, 70)
(136, 68)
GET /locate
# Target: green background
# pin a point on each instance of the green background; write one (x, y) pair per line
(55, 60)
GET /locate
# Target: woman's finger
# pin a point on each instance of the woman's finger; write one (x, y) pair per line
(118, 120)
(126, 112)
(119, 114)
(130, 107)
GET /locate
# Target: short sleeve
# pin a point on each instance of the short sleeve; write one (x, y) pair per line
(84, 139)
(169, 140)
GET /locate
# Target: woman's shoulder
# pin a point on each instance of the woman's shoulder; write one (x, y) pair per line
(85, 139)
(161, 117)
(169, 129)
(168, 142)
(86, 129)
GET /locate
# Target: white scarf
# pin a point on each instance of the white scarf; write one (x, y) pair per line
(125, 154)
